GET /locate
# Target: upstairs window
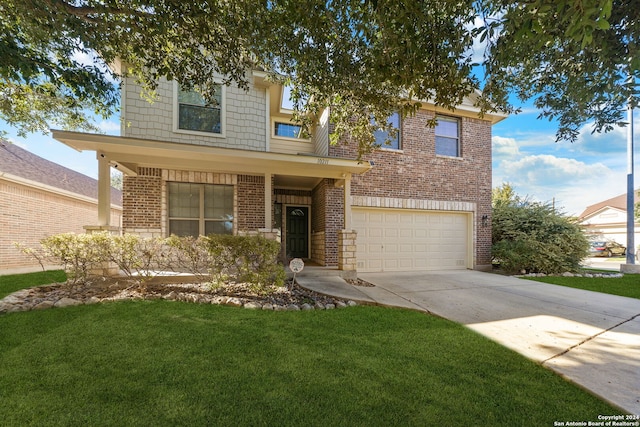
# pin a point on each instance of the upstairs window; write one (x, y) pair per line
(387, 140)
(448, 136)
(287, 130)
(195, 114)
(200, 209)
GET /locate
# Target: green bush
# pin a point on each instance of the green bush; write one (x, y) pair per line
(251, 259)
(534, 237)
(78, 254)
(137, 257)
(189, 254)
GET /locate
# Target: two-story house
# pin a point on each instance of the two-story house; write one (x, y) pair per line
(422, 203)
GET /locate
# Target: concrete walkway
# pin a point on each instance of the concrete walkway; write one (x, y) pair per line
(592, 339)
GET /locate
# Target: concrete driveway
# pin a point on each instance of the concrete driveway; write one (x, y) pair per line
(593, 339)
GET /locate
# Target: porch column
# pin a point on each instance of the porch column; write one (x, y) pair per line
(268, 222)
(347, 202)
(347, 253)
(104, 190)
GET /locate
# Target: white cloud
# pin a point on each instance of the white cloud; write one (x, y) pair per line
(596, 143)
(571, 184)
(574, 175)
(109, 126)
(83, 58)
(478, 49)
(545, 169)
(504, 147)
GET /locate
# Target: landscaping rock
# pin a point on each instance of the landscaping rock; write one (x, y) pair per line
(43, 305)
(253, 305)
(340, 304)
(118, 289)
(351, 303)
(234, 302)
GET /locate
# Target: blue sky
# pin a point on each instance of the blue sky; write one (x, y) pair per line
(576, 175)
(525, 154)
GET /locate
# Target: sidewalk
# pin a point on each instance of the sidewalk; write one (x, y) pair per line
(590, 338)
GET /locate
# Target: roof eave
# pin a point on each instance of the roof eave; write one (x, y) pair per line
(171, 155)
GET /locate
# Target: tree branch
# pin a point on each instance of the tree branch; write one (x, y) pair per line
(87, 13)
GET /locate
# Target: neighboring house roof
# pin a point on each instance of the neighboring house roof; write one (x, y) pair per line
(24, 164)
(618, 202)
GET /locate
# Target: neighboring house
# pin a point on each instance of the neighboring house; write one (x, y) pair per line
(39, 198)
(241, 166)
(607, 220)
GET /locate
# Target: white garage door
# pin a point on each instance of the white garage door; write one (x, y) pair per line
(403, 240)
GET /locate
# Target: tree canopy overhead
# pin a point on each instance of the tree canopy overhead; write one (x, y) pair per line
(364, 58)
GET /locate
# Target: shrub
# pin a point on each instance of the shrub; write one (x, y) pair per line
(78, 254)
(252, 259)
(190, 254)
(138, 258)
(534, 237)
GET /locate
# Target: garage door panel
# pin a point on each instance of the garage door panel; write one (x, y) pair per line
(391, 248)
(391, 233)
(374, 248)
(395, 240)
(420, 233)
(375, 232)
(406, 233)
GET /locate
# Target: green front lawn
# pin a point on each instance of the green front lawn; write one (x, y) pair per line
(160, 363)
(15, 282)
(626, 286)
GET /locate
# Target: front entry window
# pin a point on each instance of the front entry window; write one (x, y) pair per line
(200, 209)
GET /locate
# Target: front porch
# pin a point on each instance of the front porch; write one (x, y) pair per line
(304, 199)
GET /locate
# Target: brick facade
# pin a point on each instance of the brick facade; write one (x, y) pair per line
(142, 202)
(327, 212)
(145, 204)
(28, 214)
(415, 173)
(250, 202)
(413, 177)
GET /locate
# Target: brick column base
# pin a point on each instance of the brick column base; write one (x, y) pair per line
(107, 269)
(267, 233)
(347, 253)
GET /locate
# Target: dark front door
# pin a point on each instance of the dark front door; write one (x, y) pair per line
(297, 232)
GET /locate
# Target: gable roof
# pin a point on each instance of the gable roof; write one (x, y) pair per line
(24, 164)
(618, 202)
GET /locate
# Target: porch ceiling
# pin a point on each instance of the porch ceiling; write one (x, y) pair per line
(132, 152)
(296, 182)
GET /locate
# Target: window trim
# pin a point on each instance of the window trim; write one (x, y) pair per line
(391, 148)
(223, 121)
(275, 120)
(458, 138)
(201, 207)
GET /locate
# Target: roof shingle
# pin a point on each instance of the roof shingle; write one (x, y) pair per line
(24, 164)
(618, 202)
